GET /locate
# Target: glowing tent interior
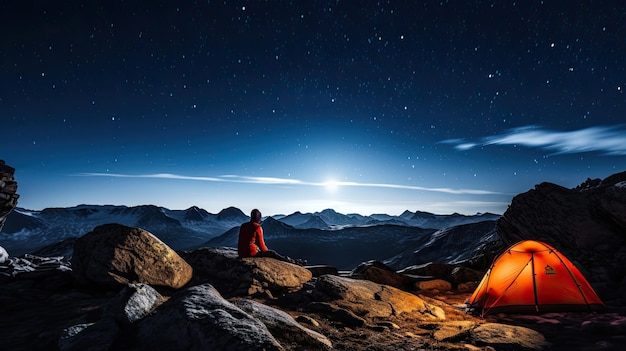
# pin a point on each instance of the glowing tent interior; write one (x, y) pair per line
(533, 277)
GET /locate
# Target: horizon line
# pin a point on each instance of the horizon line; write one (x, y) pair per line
(230, 178)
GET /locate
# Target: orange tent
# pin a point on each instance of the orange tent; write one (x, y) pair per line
(533, 277)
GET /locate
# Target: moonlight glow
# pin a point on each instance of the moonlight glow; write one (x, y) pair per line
(331, 186)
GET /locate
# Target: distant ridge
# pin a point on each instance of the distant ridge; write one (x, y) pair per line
(27, 231)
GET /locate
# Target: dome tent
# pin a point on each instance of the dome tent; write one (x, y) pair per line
(533, 277)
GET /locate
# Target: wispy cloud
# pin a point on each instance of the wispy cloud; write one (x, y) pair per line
(609, 140)
(289, 181)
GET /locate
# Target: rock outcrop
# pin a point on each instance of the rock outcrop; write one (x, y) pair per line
(284, 327)
(30, 266)
(369, 300)
(587, 224)
(8, 191)
(508, 337)
(198, 318)
(114, 254)
(378, 272)
(4, 255)
(292, 311)
(234, 276)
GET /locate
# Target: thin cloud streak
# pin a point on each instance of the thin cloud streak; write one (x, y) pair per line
(285, 181)
(609, 140)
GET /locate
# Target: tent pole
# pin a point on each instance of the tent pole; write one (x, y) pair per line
(532, 262)
(571, 275)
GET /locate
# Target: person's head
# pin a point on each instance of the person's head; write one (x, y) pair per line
(255, 216)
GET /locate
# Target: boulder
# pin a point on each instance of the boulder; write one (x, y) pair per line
(462, 275)
(435, 284)
(8, 189)
(284, 327)
(319, 270)
(453, 330)
(130, 305)
(337, 314)
(369, 299)
(508, 337)
(31, 267)
(4, 255)
(431, 269)
(98, 336)
(133, 303)
(468, 287)
(234, 276)
(378, 272)
(199, 318)
(114, 254)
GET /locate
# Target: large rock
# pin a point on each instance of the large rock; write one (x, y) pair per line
(369, 299)
(198, 318)
(429, 270)
(587, 224)
(98, 336)
(378, 272)
(453, 330)
(434, 284)
(508, 337)
(4, 255)
(116, 254)
(8, 189)
(234, 276)
(283, 327)
(133, 303)
(32, 267)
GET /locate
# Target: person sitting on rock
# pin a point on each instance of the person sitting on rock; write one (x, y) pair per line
(252, 244)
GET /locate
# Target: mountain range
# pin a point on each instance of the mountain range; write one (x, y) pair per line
(325, 237)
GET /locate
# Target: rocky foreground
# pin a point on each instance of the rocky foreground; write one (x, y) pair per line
(126, 290)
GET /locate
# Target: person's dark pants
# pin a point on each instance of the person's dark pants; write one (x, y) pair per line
(276, 255)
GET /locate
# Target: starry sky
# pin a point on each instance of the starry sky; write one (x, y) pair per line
(360, 106)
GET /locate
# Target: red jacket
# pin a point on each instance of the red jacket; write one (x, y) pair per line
(250, 239)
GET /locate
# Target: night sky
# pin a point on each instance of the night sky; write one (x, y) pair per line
(360, 106)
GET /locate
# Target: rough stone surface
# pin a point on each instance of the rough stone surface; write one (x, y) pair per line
(435, 284)
(198, 318)
(51, 311)
(369, 299)
(337, 314)
(378, 272)
(284, 327)
(133, 303)
(234, 276)
(8, 191)
(31, 266)
(454, 330)
(4, 255)
(89, 336)
(430, 269)
(462, 275)
(502, 337)
(319, 270)
(468, 287)
(116, 254)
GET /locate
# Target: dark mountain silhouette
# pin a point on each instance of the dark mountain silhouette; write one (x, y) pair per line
(195, 214)
(344, 248)
(27, 231)
(231, 214)
(456, 244)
